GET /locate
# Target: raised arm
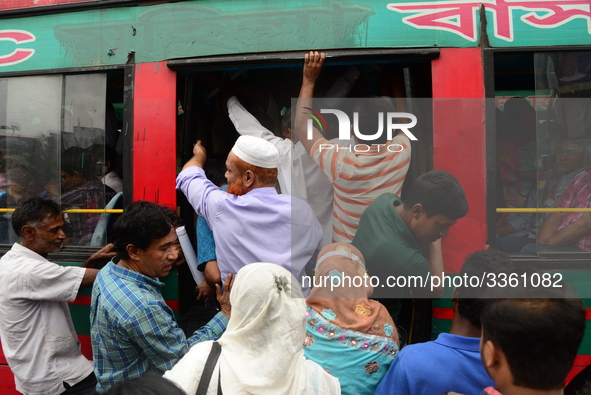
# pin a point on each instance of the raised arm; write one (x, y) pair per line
(103, 255)
(312, 65)
(201, 193)
(199, 156)
(246, 124)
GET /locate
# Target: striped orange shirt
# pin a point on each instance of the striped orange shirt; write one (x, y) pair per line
(359, 174)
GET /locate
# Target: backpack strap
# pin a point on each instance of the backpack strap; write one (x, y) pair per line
(214, 355)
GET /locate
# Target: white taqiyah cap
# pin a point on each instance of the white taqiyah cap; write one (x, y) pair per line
(256, 151)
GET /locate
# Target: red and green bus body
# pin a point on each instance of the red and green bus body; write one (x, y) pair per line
(147, 53)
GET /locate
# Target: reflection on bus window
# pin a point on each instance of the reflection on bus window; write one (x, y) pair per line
(516, 150)
(563, 177)
(59, 140)
(571, 231)
(29, 140)
(81, 189)
(570, 163)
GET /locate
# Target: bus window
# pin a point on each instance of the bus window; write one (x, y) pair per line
(543, 136)
(58, 139)
(563, 79)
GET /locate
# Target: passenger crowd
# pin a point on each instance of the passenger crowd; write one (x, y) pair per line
(564, 185)
(274, 334)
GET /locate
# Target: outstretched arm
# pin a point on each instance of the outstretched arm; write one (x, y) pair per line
(312, 65)
(103, 255)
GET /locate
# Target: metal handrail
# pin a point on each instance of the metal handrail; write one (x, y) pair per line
(79, 210)
(544, 210)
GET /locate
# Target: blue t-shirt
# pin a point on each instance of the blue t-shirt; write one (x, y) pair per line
(205, 241)
(449, 364)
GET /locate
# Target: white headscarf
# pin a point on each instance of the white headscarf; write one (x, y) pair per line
(262, 346)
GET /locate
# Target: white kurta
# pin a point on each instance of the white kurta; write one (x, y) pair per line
(38, 337)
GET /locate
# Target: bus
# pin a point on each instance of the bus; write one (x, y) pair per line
(127, 86)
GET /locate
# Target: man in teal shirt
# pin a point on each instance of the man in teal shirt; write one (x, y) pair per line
(400, 240)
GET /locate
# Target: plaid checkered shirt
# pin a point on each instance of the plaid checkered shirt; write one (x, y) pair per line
(133, 330)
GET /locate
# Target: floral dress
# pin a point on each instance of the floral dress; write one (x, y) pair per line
(357, 359)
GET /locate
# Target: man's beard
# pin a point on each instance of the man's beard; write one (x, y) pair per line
(237, 188)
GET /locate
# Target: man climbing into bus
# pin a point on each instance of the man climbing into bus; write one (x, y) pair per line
(133, 330)
(452, 361)
(252, 222)
(298, 174)
(38, 337)
(358, 176)
(403, 239)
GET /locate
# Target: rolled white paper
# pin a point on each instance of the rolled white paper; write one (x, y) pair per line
(189, 253)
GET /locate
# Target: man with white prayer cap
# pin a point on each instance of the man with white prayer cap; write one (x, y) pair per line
(252, 222)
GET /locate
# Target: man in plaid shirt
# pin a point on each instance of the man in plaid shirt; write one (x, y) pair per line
(133, 330)
(570, 231)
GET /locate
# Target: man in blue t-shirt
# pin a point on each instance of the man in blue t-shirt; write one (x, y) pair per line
(451, 363)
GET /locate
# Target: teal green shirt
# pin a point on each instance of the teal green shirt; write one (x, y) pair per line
(390, 248)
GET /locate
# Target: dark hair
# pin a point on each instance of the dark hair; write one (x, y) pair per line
(32, 211)
(111, 156)
(172, 216)
(368, 109)
(523, 327)
(140, 224)
(146, 385)
(215, 171)
(439, 192)
(80, 160)
(478, 264)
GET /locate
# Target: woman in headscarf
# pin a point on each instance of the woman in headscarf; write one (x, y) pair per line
(350, 336)
(261, 350)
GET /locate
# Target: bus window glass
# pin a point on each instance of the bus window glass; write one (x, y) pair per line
(83, 156)
(53, 133)
(516, 124)
(30, 120)
(563, 90)
(543, 125)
